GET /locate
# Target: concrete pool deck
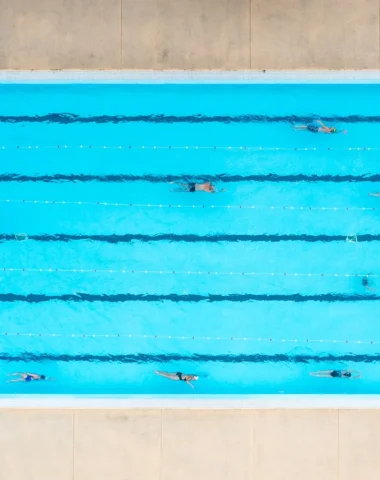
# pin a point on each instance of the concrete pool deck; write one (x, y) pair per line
(171, 444)
(189, 34)
(84, 440)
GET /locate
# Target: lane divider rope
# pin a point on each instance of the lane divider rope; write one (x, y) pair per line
(177, 205)
(185, 272)
(187, 147)
(184, 337)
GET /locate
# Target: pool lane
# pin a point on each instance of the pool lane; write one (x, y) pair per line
(209, 162)
(85, 377)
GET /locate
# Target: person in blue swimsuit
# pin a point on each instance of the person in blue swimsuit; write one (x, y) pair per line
(318, 127)
(27, 377)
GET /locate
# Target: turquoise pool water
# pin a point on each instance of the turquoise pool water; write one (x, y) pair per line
(252, 288)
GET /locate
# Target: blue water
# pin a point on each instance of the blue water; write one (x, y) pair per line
(105, 332)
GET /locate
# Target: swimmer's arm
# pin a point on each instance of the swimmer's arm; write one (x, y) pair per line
(322, 124)
(188, 382)
(16, 380)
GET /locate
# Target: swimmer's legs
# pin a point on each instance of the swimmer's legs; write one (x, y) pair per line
(300, 127)
(182, 187)
(170, 376)
(322, 374)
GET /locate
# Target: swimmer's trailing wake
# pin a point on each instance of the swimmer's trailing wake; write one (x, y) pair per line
(348, 374)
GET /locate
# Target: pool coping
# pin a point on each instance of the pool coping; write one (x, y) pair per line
(190, 77)
(201, 402)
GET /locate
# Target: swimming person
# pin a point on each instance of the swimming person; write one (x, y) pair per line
(28, 377)
(365, 283)
(374, 194)
(207, 187)
(322, 128)
(351, 374)
(182, 377)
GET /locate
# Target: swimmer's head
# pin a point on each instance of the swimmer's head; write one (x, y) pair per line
(365, 281)
(43, 377)
(195, 377)
(347, 374)
(333, 130)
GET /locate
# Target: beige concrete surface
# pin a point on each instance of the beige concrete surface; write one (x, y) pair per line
(36, 445)
(56, 34)
(189, 34)
(186, 34)
(296, 444)
(169, 444)
(127, 445)
(315, 34)
(206, 444)
(359, 444)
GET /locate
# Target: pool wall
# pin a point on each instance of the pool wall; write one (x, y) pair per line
(190, 34)
(171, 444)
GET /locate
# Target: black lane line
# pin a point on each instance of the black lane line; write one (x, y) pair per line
(70, 118)
(124, 178)
(191, 298)
(172, 357)
(187, 238)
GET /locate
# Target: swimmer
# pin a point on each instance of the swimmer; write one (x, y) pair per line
(207, 187)
(27, 377)
(182, 377)
(374, 194)
(351, 374)
(365, 283)
(314, 128)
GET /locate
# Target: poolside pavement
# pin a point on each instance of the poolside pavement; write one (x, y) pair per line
(172, 444)
(189, 34)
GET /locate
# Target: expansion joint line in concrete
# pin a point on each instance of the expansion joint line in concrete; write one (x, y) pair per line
(121, 34)
(250, 34)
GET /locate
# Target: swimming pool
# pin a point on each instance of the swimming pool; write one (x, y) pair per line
(252, 288)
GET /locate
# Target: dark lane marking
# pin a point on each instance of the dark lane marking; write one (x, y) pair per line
(188, 238)
(70, 118)
(121, 178)
(191, 298)
(197, 358)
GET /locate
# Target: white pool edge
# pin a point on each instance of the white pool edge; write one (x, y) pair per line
(206, 402)
(190, 77)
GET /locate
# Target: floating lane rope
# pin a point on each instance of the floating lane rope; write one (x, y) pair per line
(184, 272)
(177, 205)
(184, 337)
(188, 147)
